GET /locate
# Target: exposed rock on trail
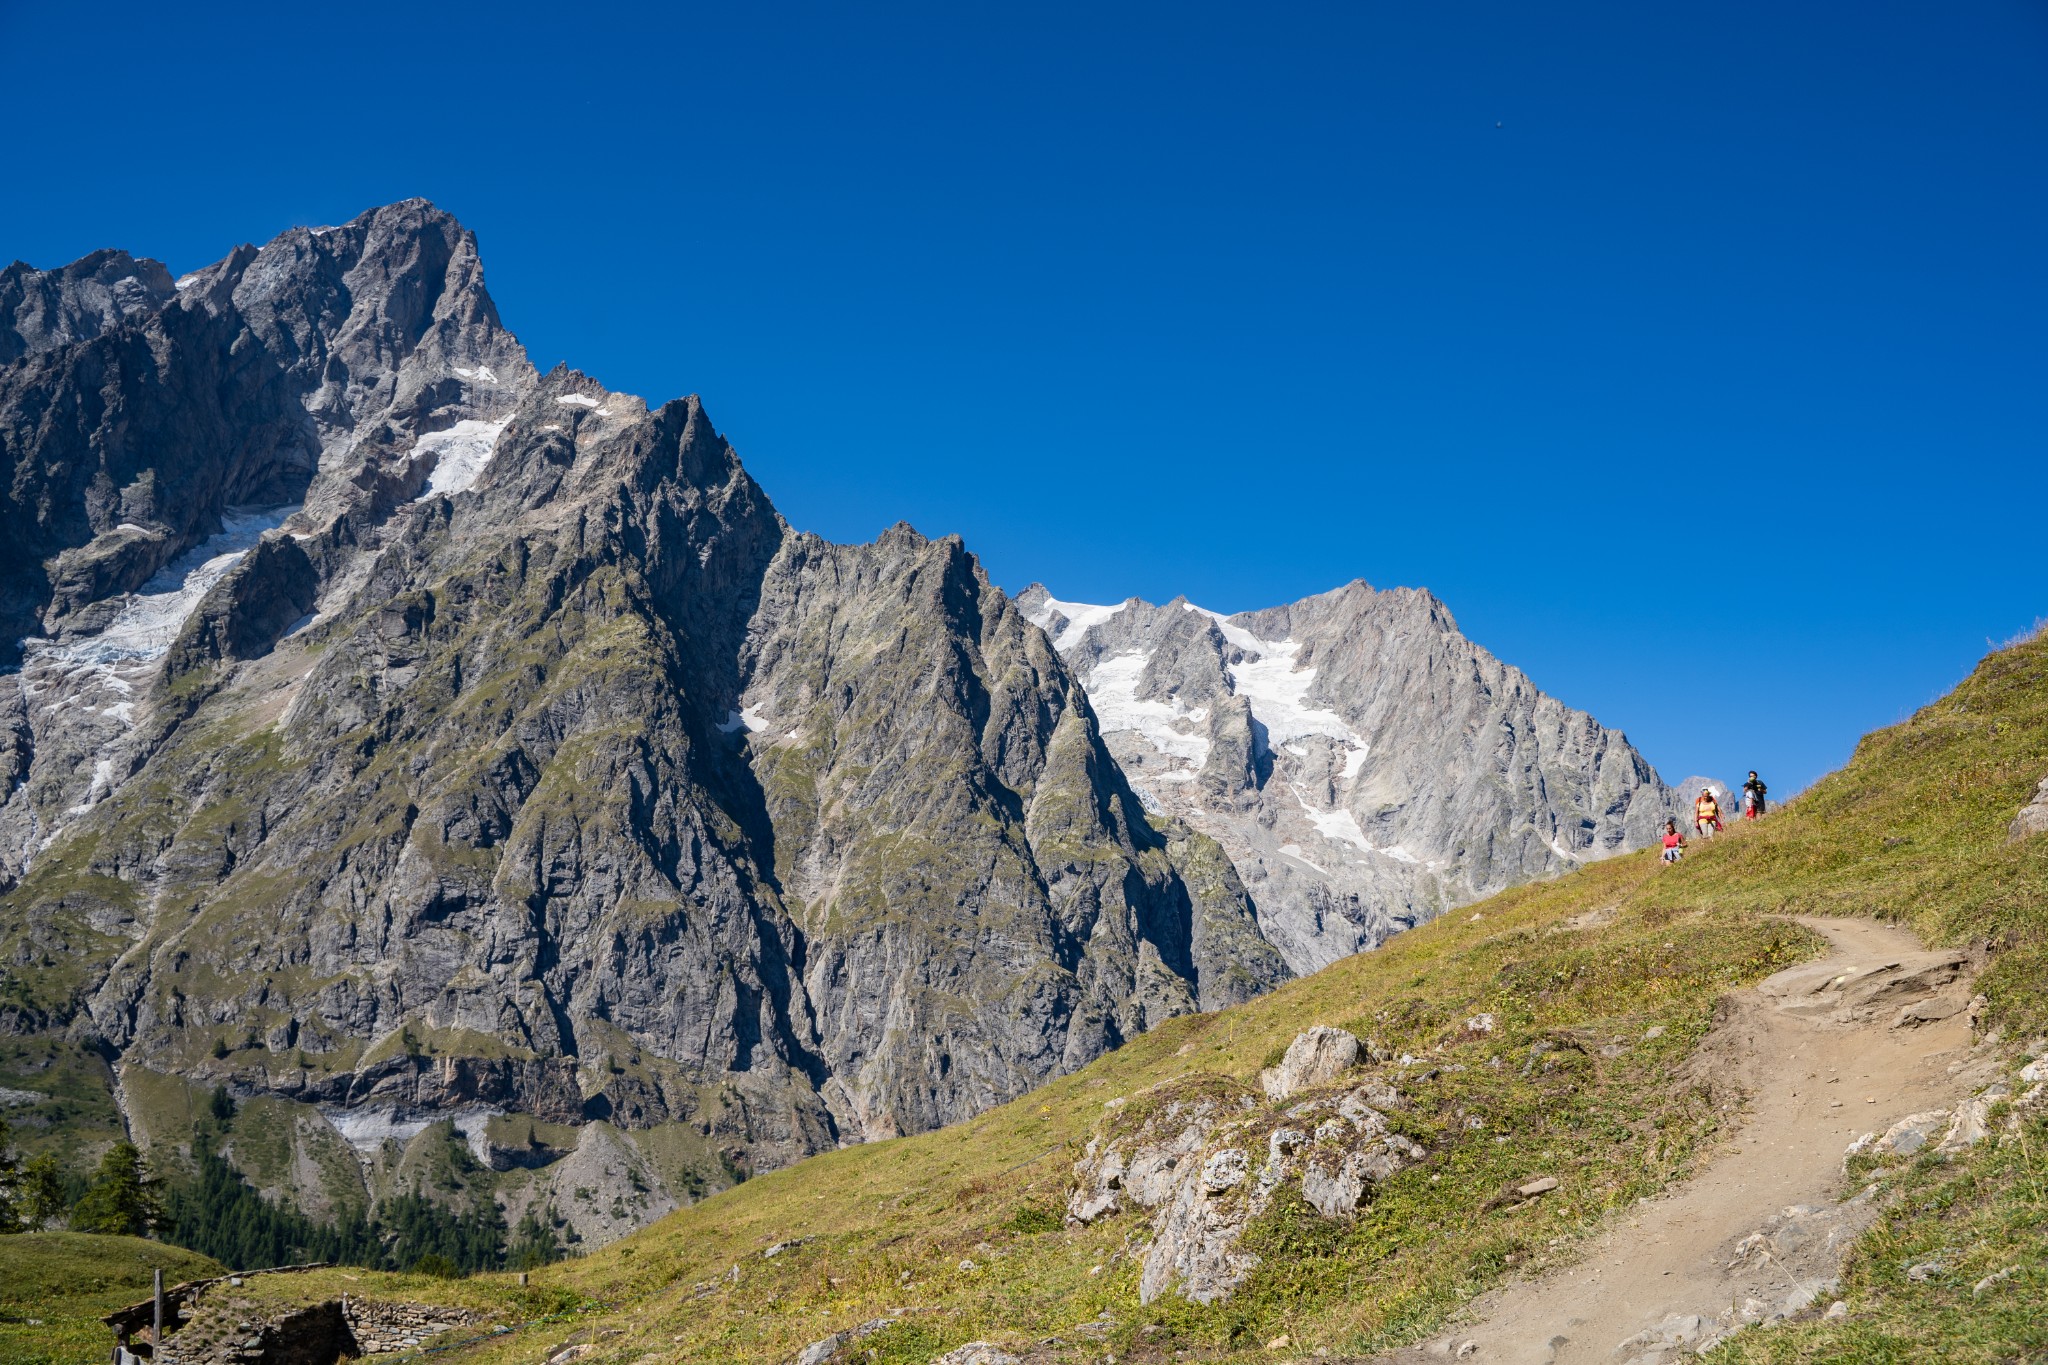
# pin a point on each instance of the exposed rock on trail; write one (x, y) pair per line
(1829, 1050)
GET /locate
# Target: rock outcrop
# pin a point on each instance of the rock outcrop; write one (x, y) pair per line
(1316, 1057)
(44, 309)
(1365, 765)
(1207, 1159)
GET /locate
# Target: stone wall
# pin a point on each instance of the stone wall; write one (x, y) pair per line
(380, 1327)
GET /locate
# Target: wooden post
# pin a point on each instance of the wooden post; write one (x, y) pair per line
(156, 1335)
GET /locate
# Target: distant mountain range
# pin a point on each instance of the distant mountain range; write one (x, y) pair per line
(1364, 764)
(437, 754)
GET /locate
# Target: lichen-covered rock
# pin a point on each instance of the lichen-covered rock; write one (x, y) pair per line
(978, 1353)
(1194, 1240)
(1315, 1057)
(1206, 1159)
(832, 1348)
(1903, 1138)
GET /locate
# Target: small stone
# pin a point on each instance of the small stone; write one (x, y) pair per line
(1541, 1185)
(1925, 1271)
(1977, 1289)
(978, 1353)
(1836, 1311)
(1467, 1349)
(1280, 1343)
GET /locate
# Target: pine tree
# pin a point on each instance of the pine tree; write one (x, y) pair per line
(123, 1197)
(534, 1242)
(43, 1199)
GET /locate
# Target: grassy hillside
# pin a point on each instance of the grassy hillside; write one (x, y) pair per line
(54, 1287)
(1616, 968)
(1601, 985)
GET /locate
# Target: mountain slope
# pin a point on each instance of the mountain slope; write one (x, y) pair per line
(1365, 765)
(1597, 991)
(437, 790)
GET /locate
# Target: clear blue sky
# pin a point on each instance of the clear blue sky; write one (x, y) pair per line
(1696, 355)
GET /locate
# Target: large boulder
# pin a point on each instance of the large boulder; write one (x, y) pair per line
(1316, 1057)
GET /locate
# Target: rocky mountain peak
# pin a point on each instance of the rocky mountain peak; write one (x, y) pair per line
(1364, 764)
(404, 736)
(43, 309)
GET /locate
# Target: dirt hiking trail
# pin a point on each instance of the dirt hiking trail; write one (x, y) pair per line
(1873, 1033)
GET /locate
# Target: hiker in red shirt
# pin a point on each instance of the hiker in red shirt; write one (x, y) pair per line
(1674, 842)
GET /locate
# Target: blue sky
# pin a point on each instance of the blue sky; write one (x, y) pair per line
(1696, 355)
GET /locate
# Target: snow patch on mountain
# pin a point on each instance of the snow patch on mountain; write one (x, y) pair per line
(1079, 617)
(1341, 825)
(92, 678)
(149, 620)
(1168, 725)
(460, 454)
(1268, 679)
(1278, 692)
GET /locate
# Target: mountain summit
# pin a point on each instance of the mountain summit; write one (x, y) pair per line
(1365, 765)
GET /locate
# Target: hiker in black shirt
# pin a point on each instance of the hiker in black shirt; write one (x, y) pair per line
(1752, 796)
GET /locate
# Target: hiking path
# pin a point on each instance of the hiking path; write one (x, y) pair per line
(1874, 1033)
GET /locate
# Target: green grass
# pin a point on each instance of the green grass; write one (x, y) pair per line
(55, 1286)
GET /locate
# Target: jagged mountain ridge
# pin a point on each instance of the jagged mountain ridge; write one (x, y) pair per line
(440, 785)
(1365, 765)
(400, 736)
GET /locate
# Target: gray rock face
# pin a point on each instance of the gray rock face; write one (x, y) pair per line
(152, 443)
(43, 309)
(1365, 765)
(401, 735)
